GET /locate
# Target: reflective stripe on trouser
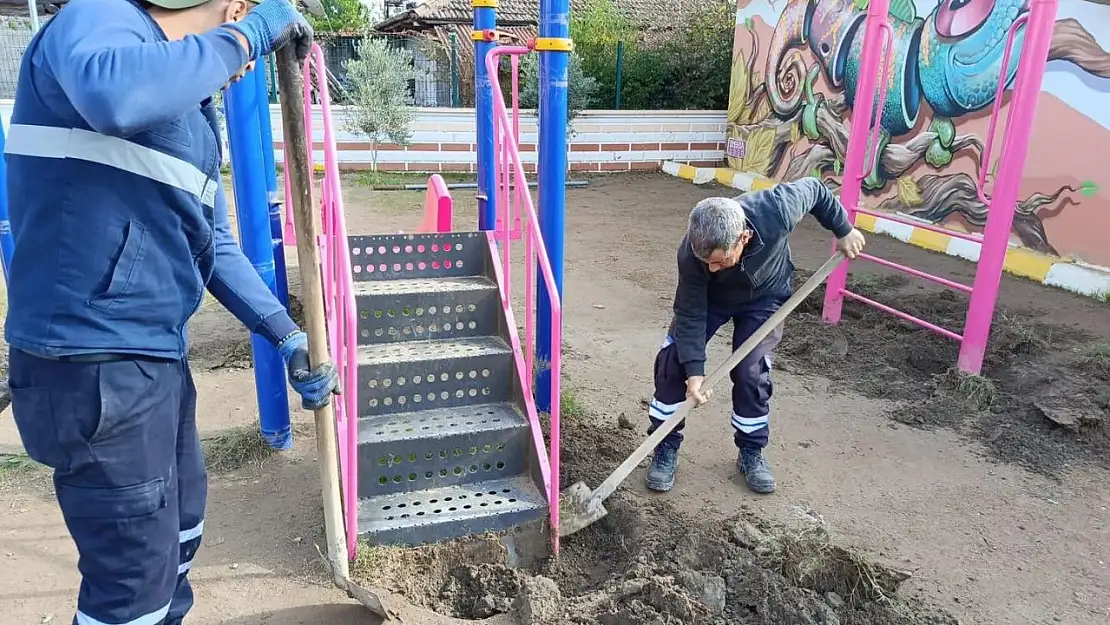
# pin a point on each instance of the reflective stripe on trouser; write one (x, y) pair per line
(86, 145)
(128, 473)
(751, 379)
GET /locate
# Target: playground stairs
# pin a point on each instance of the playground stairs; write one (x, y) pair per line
(444, 447)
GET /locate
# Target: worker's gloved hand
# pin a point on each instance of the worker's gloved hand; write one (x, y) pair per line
(315, 386)
(272, 25)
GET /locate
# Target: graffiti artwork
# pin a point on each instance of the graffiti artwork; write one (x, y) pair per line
(791, 98)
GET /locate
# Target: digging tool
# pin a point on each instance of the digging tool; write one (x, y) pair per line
(579, 507)
(306, 222)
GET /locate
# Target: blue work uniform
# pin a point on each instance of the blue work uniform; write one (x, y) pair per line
(120, 224)
(747, 293)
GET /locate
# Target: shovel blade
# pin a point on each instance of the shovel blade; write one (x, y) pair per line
(578, 509)
(374, 601)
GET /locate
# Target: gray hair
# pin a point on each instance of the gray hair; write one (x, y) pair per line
(716, 223)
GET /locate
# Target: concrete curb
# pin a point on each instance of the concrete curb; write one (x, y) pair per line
(1073, 276)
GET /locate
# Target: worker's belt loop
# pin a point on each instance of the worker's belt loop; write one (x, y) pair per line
(487, 35)
(553, 44)
(483, 4)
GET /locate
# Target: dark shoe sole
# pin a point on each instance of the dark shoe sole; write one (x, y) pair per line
(762, 489)
(660, 486)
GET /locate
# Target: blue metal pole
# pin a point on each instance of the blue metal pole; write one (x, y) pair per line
(275, 196)
(485, 18)
(252, 211)
(7, 243)
(553, 44)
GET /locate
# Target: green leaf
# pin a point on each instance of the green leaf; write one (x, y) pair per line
(749, 23)
(1089, 188)
(861, 4)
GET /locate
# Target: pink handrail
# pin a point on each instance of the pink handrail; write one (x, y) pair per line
(902, 315)
(996, 234)
(514, 185)
(984, 165)
(916, 273)
(339, 295)
(887, 57)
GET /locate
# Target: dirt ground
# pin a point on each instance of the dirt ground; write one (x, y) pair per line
(907, 494)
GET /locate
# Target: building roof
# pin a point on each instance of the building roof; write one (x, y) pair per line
(649, 14)
(18, 8)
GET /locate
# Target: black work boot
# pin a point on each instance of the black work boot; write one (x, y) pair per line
(753, 466)
(664, 465)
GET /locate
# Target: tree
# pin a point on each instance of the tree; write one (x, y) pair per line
(598, 27)
(580, 87)
(341, 17)
(381, 103)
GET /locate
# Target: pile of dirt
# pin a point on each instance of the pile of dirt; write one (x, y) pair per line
(736, 572)
(1043, 400)
(647, 564)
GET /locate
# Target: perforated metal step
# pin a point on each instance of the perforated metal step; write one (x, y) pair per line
(426, 516)
(445, 450)
(421, 375)
(398, 256)
(422, 351)
(391, 311)
(438, 448)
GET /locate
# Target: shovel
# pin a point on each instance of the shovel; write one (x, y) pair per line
(305, 219)
(579, 507)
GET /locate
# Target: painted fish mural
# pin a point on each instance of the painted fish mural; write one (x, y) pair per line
(791, 120)
(951, 59)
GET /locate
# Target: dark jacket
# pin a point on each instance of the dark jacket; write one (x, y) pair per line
(765, 266)
(117, 210)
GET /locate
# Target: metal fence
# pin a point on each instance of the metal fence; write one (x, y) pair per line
(437, 76)
(15, 34)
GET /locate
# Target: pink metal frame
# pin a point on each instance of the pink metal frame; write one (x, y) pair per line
(339, 298)
(877, 48)
(516, 208)
(438, 206)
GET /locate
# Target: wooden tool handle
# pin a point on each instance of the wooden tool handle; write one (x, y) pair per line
(306, 221)
(644, 450)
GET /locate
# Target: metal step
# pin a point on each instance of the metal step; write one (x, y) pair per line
(421, 375)
(440, 448)
(438, 255)
(391, 311)
(437, 514)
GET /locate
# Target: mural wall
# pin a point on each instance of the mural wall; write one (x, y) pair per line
(794, 76)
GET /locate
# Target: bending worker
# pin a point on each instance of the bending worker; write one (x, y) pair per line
(120, 224)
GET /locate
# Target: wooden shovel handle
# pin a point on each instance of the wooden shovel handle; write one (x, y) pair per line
(306, 221)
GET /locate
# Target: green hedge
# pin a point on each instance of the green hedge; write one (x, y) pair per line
(689, 70)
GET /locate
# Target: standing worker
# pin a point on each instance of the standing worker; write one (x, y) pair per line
(120, 223)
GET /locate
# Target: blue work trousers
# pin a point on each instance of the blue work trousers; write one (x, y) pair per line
(120, 434)
(751, 379)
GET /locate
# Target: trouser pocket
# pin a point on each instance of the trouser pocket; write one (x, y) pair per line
(126, 539)
(34, 418)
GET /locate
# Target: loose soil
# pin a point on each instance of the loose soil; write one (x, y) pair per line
(1042, 401)
(908, 494)
(648, 563)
